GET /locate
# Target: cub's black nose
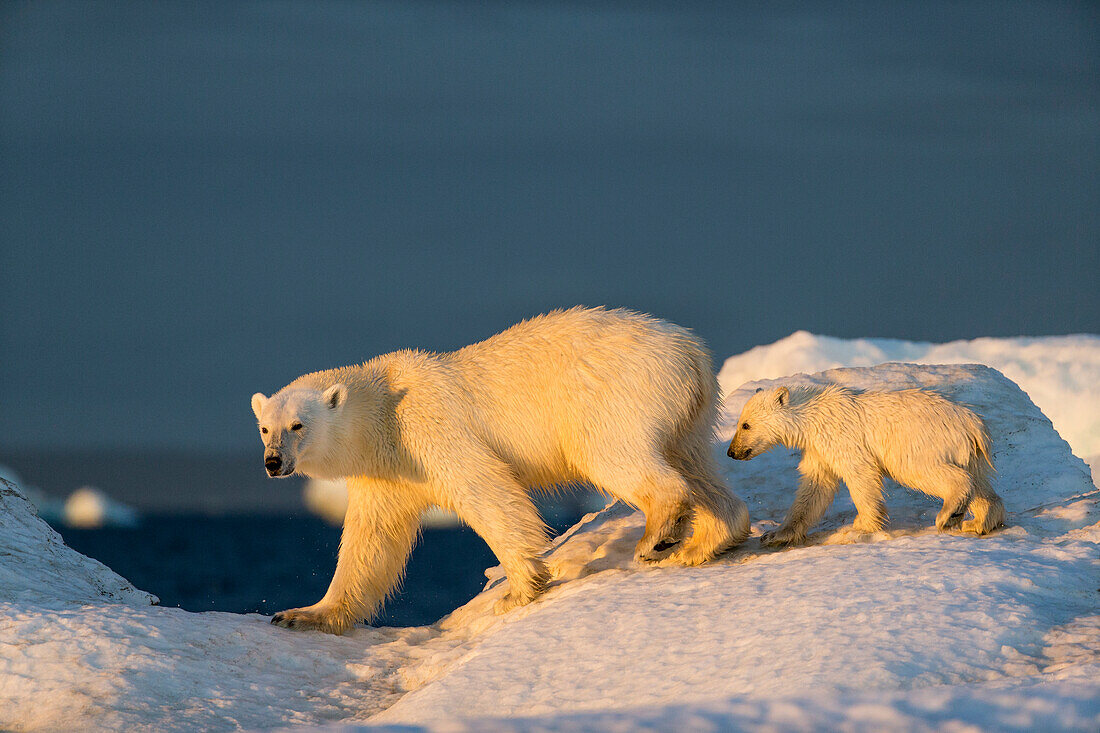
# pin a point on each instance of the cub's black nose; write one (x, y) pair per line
(730, 452)
(273, 464)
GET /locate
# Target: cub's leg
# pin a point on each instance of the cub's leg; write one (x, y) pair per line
(380, 528)
(490, 500)
(988, 509)
(816, 491)
(951, 483)
(865, 487)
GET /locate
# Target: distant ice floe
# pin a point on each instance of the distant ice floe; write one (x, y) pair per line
(85, 508)
(329, 500)
(1061, 374)
(908, 629)
(90, 508)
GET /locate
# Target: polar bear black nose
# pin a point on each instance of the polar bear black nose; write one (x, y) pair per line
(273, 463)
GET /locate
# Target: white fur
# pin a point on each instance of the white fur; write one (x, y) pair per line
(621, 400)
(916, 437)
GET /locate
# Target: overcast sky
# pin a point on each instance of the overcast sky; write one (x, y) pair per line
(201, 202)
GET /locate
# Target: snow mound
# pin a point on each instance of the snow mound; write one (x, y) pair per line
(1060, 373)
(907, 630)
(1035, 466)
(921, 610)
(39, 568)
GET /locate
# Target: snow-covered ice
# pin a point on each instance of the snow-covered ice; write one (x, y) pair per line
(38, 569)
(908, 629)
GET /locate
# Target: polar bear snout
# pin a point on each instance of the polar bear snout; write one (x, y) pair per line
(273, 462)
(740, 454)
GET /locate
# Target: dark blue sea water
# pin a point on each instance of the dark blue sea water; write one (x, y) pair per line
(266, 564)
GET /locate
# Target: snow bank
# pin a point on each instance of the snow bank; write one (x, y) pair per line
(907, 629)
(842, 616)
(1061, 374)
(38, 568)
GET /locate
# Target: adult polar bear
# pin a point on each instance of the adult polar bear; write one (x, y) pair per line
(621, 400)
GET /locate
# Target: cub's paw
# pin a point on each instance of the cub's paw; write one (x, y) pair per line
(978, 527)
(782, 537)
(867, 526)
(946, 522)
(688, 555)
(659, 551)
(309, 619)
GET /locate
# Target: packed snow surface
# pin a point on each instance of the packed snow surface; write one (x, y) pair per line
(1061, 374)
(905, 629)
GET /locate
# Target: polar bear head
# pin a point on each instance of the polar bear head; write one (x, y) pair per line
(761, 423)
(296, 425)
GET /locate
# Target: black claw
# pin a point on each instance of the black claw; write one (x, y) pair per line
(665, 545)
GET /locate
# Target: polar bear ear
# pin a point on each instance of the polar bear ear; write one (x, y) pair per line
(334, 396)
(782, 395)
(258, 402)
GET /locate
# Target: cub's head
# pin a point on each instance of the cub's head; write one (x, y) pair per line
(758, 426)
(295, 426)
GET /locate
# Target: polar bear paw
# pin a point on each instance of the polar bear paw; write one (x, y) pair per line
(529, 588)
(658, 551)
(782, 537)
(309, 619)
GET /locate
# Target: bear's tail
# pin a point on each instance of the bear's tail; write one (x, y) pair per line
(981, 443)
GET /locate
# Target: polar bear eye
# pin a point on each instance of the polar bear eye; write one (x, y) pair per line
(744, 426)
(263, 430)
(296, 426)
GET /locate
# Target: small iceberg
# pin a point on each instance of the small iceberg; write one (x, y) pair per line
(90, 508)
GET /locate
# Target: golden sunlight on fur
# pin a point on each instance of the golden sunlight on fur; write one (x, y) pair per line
(914, 436)
(621, 400)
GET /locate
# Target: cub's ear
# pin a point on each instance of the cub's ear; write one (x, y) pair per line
(782, 396)
(258, 402)
(334, 396)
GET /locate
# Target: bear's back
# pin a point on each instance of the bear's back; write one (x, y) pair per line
(576, 381)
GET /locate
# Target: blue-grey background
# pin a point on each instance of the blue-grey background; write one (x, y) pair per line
(203, 200)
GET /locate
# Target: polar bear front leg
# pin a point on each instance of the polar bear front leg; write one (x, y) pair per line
(379, 531)
(816, 491)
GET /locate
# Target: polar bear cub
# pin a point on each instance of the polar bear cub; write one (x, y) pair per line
(621, 400)
(916, 437)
